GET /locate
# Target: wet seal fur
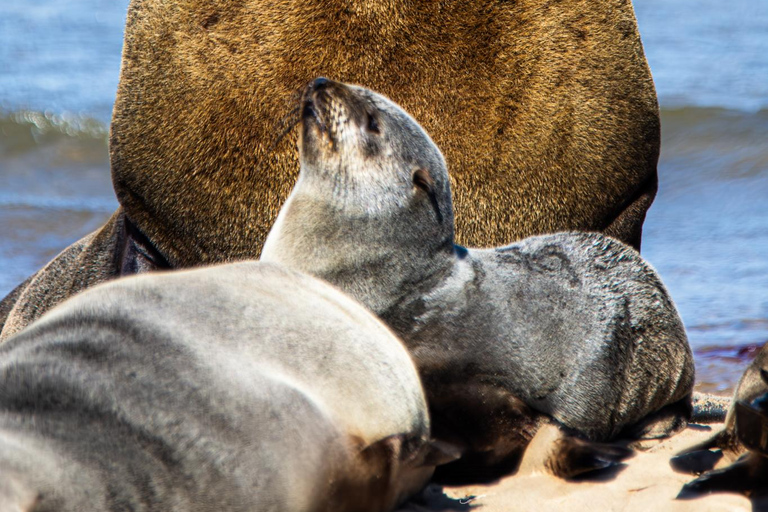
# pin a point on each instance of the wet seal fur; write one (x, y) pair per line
(237, 387)
(723, 461)
(571, 326)
(546, 112)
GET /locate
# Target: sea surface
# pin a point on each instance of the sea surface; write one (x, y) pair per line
(707, 232)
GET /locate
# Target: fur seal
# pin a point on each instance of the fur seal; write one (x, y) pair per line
(237, 387)
(740, 449)
(546, 112)
(570, 326)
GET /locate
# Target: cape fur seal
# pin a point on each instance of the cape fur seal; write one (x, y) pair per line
(546, 112)
(740, 449)
(573, 326)
(237, 387)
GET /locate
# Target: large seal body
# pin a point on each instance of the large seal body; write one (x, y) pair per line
(546, 112)
(575, 326)
(238, 387)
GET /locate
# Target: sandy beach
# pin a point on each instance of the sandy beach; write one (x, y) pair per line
(646, 482)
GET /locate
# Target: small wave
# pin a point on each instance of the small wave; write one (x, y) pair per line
(25, 131)
(67, 123)
(693, 115)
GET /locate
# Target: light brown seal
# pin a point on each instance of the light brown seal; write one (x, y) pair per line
(546, 112)
(570, 327)
(238, 387)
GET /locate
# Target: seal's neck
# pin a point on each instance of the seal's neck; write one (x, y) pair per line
(372, 260)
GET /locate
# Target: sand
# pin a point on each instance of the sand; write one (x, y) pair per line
(644, 483)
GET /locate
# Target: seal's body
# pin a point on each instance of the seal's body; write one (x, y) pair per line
(238, 387)
(575, 326)
(546, 112)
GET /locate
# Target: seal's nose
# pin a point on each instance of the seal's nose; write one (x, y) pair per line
(319, 83)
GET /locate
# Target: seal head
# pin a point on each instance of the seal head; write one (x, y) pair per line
(371, 179)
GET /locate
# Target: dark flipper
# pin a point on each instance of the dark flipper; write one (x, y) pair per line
(576, 457)
(743, 476)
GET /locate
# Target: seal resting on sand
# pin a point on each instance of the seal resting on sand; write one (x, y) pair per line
(546, 112)
(238, 387)
(743, 442)
(571, 326)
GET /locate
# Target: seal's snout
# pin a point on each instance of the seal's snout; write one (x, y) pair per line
(319, 83)
(315, 100)
(338, 117)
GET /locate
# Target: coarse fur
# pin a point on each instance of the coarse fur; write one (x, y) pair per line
(545, 110)
(572, 326)
(236, 387)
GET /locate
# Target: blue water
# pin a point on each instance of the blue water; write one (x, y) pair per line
(707, 232)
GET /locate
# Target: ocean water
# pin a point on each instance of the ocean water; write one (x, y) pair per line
(707, 232)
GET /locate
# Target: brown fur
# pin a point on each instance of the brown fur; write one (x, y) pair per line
(545, 111)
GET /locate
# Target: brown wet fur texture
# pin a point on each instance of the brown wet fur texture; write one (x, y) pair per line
(545, 111)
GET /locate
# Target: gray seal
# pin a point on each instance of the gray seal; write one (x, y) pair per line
(570, 326)
(239, 387)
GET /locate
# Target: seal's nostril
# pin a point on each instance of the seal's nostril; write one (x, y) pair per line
(319, 83)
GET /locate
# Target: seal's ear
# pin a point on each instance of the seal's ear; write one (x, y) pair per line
(764, 375)
(423, 181)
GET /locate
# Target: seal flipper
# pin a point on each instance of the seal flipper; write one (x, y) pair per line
(576, 457)
(556, 451)
(738, 477)
(137, 254)
(703, 456)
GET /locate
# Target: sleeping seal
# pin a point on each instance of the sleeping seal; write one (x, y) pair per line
(546, 112)
(573, 326)
(239, 387)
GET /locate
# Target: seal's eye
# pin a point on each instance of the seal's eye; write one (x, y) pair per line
(422, 180)
(373, 125)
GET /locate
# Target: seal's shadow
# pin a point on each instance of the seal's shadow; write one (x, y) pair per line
(433, 499)
(600, 475)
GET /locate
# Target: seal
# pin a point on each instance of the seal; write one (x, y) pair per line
(575, 327)
(735, 459)
(233, 387)
(546, 111)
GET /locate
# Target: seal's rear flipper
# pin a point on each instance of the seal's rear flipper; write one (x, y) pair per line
(576, 457)
(738, 477)
(703, 456)
(556, 451)
(696, 462)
